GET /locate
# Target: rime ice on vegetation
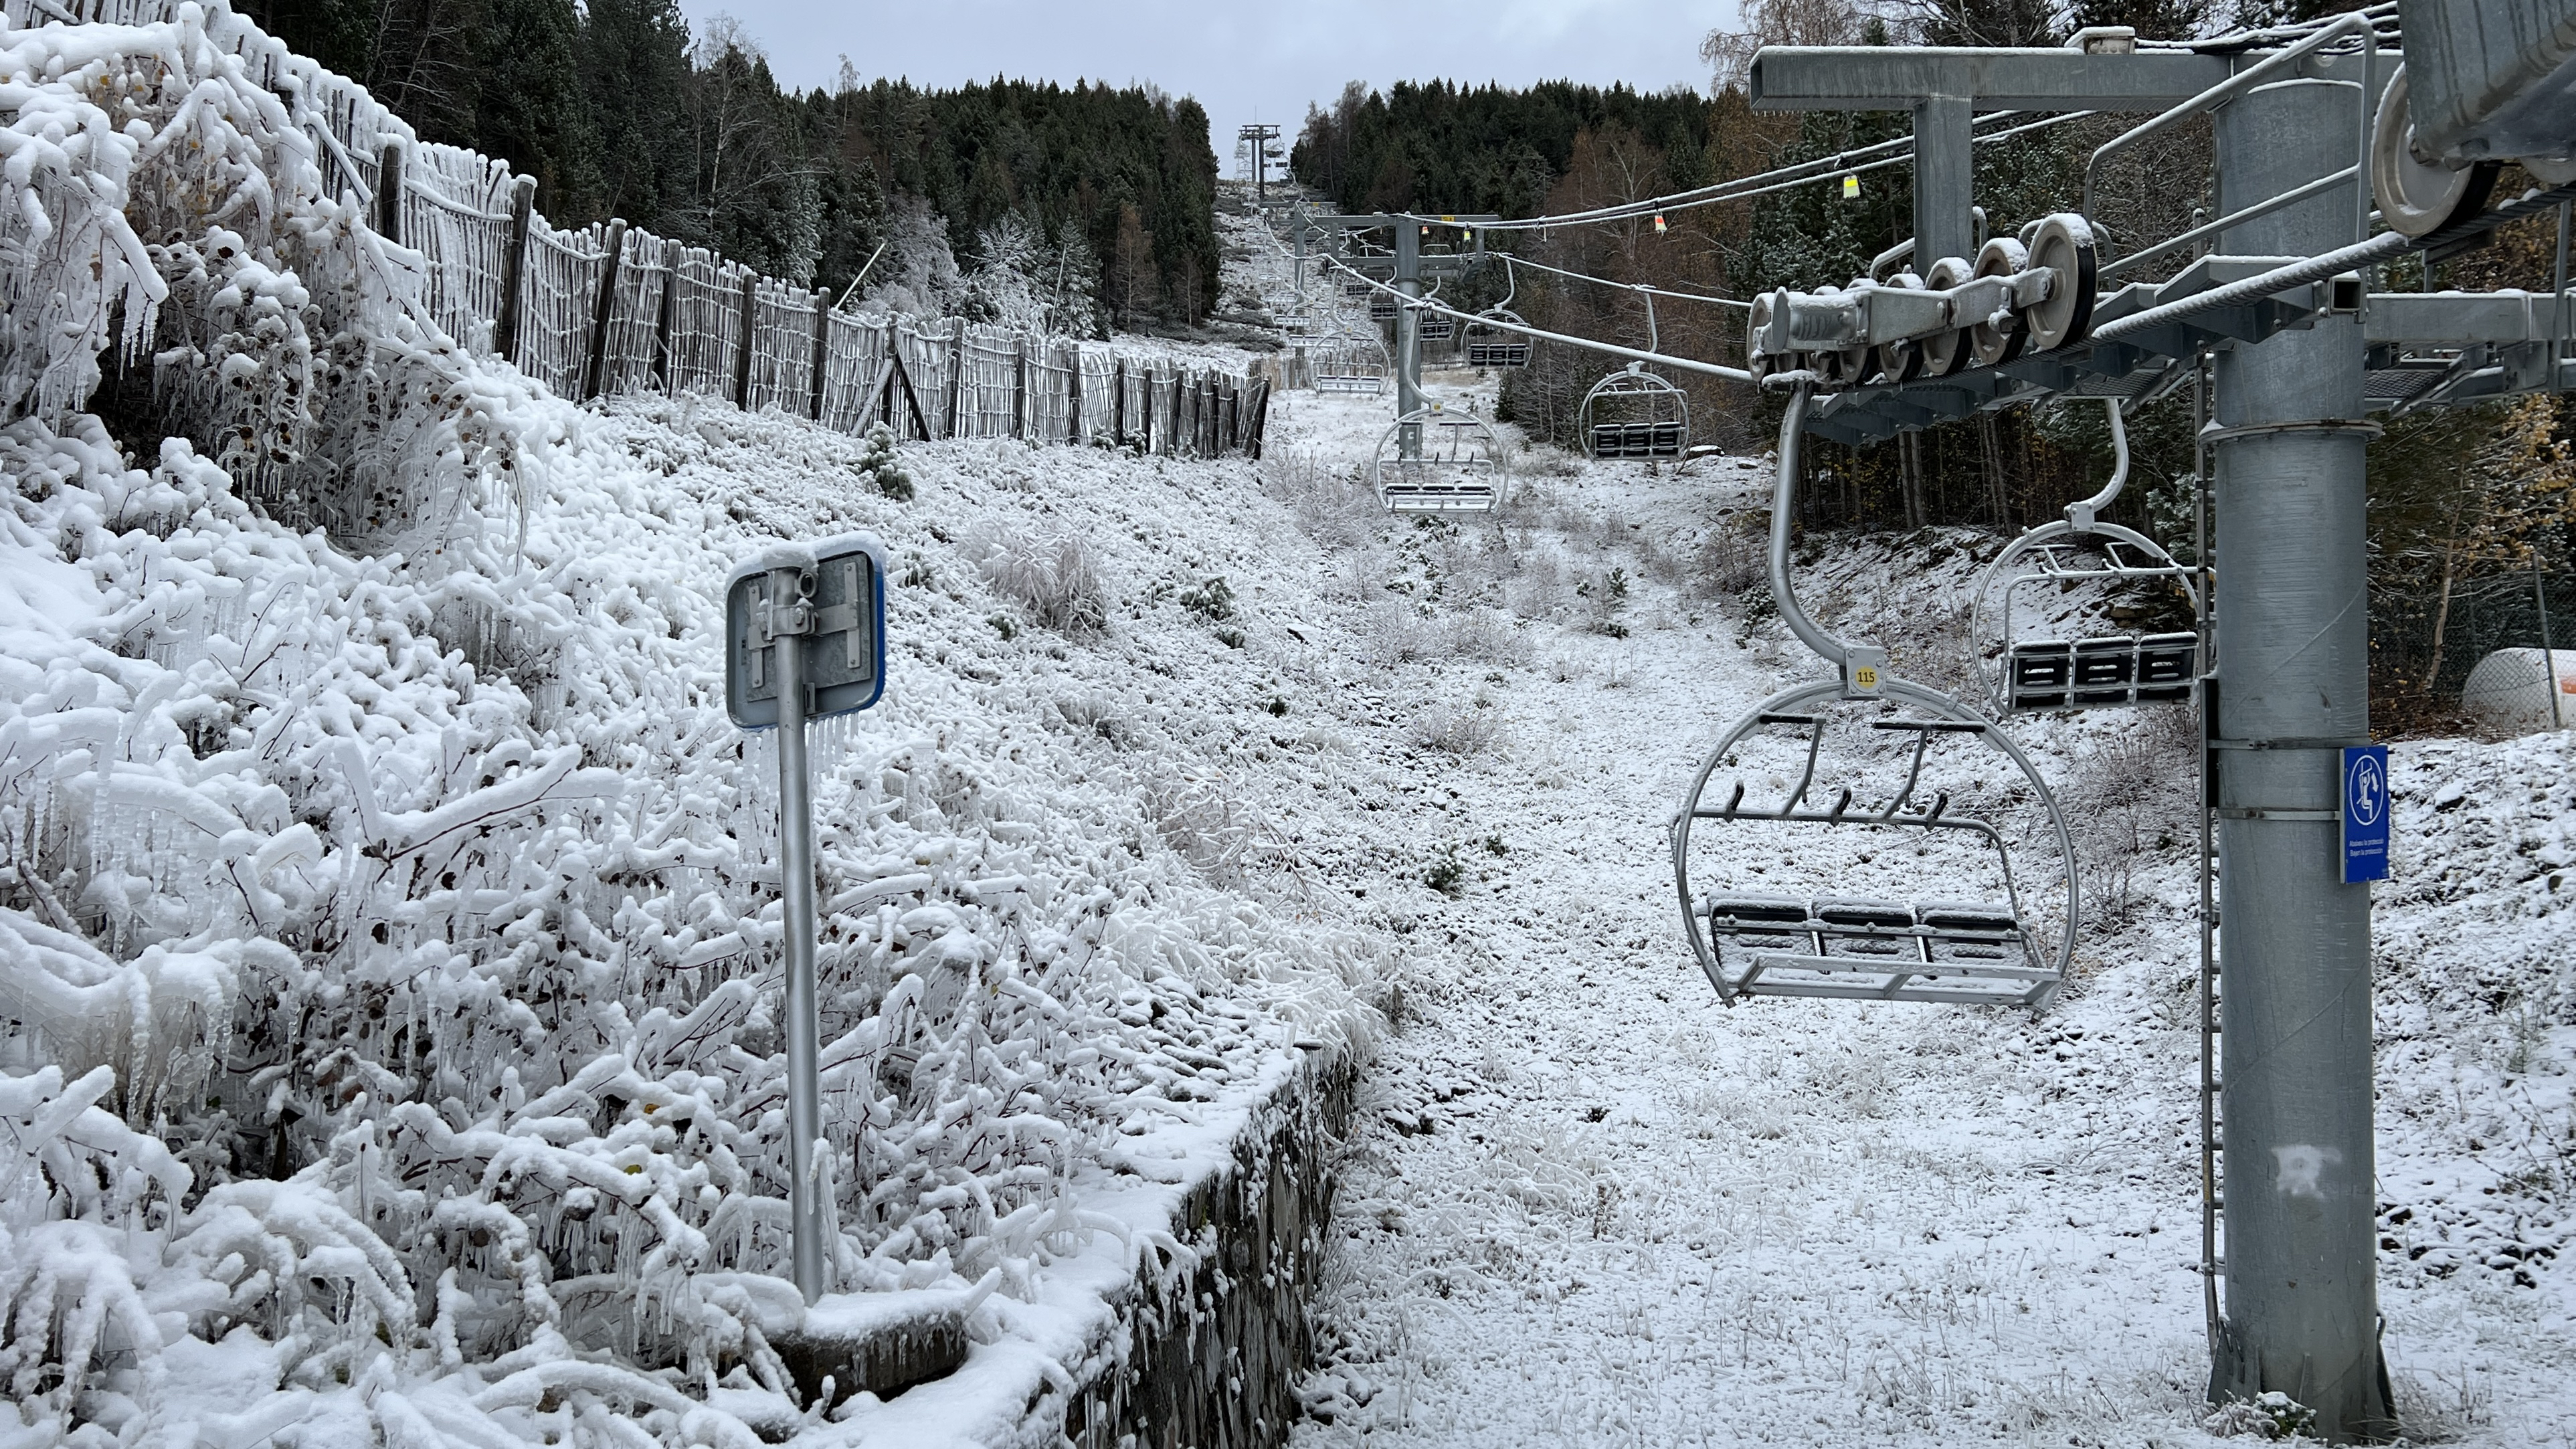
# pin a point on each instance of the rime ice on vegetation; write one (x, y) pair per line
(388, 910)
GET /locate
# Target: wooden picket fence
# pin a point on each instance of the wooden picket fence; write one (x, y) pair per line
(612, 309)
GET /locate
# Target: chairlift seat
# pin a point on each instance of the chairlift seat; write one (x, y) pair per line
(1975, 938)
(1875, 950)
(1432, 495)
(1637, 440)
(1437, 329)
(1498, 354)
(2117, 670)
(1761, 923)
(1877, 930)
(1381, 308)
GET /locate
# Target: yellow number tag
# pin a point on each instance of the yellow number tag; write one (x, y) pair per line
(1866, 677)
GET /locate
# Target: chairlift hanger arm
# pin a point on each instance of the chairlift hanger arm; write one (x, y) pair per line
(2081, 514)
(1784, 503)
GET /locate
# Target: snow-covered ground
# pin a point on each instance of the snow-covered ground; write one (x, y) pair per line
(428, 863)
(1595, 1206)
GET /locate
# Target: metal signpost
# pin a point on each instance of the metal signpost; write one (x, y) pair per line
(804, 640)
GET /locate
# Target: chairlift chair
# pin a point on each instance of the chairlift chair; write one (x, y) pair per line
(1976, 937)
(1457, 464)
(1634, 413)
(2058, 673)
(1916, 784)
(1351, 365)
(1491, 346)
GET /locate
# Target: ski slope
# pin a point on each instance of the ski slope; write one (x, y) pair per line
(1595, 1206)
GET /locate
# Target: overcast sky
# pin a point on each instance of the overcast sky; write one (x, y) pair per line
(1244, 62)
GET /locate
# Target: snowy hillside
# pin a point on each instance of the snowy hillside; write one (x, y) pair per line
(388, 917)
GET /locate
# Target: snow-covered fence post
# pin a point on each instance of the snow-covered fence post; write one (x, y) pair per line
(606, 311)
(822, 346)
(514, 267)
(389, 192)
(1020, 387)
(662, 362)
(956, 340)
(1118, 400)
(750, 339)
(1073, 394)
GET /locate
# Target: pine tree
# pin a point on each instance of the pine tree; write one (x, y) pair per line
(635, 75)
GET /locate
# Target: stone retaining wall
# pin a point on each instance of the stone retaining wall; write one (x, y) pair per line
(1211, 1350)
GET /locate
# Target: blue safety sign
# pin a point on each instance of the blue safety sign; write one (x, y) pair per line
(2365, 813)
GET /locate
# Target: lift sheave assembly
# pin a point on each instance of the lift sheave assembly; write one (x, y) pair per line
(1866, 787)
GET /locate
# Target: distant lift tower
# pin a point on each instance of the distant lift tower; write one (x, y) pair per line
(2302, 353)
(1414, 251)
(1262, 141)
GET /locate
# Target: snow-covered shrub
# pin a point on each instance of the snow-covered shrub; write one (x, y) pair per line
(1206, 821)
(884, 466)
(1484, 634)
(1452, 730)
(1212, 600)
(2129, 799)
(2271, 1415)
(1056, 578)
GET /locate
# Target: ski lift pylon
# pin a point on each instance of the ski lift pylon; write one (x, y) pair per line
(1453, 463)
(1988, 946)
(2062, 673)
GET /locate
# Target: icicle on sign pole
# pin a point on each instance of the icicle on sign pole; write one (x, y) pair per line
(829, 596)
